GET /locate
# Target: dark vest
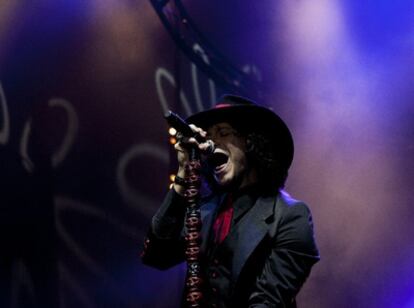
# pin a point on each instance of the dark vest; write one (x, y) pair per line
(218, 258)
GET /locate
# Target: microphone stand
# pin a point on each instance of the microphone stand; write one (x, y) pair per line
(192, 178)
(194, 279)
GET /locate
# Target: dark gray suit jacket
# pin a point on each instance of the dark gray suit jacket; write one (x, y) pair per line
(272, 248)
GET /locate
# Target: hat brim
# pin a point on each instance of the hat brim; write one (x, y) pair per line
(253, 118)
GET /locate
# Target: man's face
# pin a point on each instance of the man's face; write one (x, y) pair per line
(229, 161)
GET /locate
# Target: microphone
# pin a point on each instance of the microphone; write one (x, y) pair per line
(181, 126)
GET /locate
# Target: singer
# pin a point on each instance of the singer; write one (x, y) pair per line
(258, 245)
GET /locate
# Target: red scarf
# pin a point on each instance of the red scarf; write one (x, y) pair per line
(222, 223)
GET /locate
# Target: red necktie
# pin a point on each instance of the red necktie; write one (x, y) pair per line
(222, 223)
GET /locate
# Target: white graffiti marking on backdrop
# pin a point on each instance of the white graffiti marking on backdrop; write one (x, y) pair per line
(73, 123)
(5, 130)
(59, 155)
(252, 69)
(197, 48)
(20, 280)
(66, 205)
(69, 282)
(134, 198)
(24, 144)
(160, 74)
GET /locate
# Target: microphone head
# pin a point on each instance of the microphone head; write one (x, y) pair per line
(174, 120)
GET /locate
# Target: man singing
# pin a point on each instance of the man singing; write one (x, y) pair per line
(257, 244)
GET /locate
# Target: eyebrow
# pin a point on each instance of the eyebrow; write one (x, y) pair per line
(224, 127)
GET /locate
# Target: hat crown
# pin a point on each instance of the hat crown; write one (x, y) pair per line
(229, 100)
(253, 118)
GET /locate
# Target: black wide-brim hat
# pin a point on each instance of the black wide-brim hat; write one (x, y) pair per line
(252, 118)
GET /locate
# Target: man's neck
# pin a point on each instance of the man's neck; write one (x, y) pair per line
(249, 179)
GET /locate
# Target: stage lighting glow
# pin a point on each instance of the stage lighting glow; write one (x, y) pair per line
(173, 140)
(172, 131)
(8, 11)
(349, 117)
(410, 305)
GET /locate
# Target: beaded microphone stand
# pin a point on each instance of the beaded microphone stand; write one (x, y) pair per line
(194, 281)
(194, 295)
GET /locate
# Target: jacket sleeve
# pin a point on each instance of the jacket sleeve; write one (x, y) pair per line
(290, 259)
(164, 245)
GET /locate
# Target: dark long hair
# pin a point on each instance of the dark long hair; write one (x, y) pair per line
(262, 153)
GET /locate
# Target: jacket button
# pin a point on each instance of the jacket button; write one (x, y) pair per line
(214, 290)
(213, 274)
(215, 261)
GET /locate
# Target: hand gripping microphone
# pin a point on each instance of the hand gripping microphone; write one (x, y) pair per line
(181, 126)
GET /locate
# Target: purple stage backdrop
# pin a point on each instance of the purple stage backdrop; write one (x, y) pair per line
(85, 158)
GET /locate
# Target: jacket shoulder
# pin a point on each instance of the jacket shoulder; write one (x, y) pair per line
(289, 210)
(294, 225)
(286, 198)
(285, 202)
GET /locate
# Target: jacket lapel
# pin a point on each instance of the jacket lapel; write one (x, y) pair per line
(248, 233)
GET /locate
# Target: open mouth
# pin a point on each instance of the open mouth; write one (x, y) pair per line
(218, 160)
